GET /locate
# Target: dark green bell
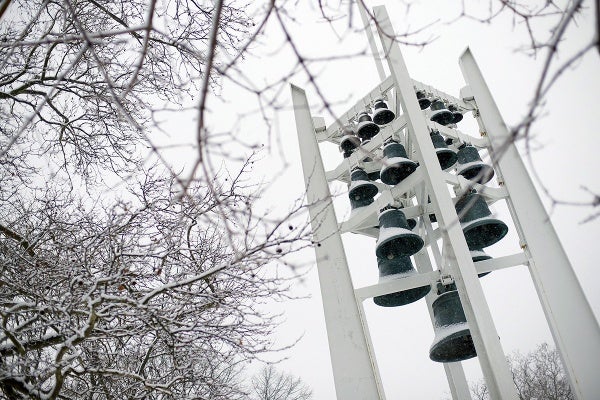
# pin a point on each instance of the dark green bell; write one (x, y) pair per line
(439, 113)
(471, 167)
(445, 156)
(395, 237)
(479, 228)
(452, 340)
(396, 164)
(456, 115)
(354, 204)
(361, 188)
(424, 102)
(349, 142)
(382, 114)
(366, 128)
(398, 267)
(480, 255)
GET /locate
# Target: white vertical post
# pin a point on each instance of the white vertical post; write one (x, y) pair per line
(483, 331)
(354, 372)
(370, 37)
(570, 318)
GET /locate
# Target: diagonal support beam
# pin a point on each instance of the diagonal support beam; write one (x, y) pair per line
(483, 331)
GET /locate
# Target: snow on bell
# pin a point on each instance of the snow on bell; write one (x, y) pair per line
(445, 156)
(366, 128)
(395, 237)
(396, 164)
(439, 112)
(480, 229)
(362, 190)
(398, 267)
(456, 115)
(424, 102)
(382, 114)
(349, 142)
(471, 167)
(480, 255)
(452, 340)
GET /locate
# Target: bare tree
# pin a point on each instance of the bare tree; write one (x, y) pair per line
(271, 384)
(537, 375)
(121, 277)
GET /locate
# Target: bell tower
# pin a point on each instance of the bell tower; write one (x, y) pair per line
(399, 162)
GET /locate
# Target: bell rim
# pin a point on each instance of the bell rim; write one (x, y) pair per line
(424, 103)
(402, 298)
(443, 115)
(396, 163)
(416, 242)
(383, 116)
(367, 130)
(372, 188)
(467, 168)
(448, 155)
(349, 138)
(469, 226)
(449, 342)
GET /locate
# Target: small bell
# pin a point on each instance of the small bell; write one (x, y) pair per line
(453, 341)
(348, 142)
(366, 128)
(479, 228)
(424, 102)
(382, 114)
(361, 188)
(396, 164)
(456, 114)
(439, 112)
(446, 157)
(395, 237)
(398, 267)
(471, 167)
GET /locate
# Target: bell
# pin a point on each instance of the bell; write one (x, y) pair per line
(396, 164)
(382, 114)
(446, 157)
(479, 228)
(479, 255)
(366, 128)
(439, 113)
(361, 188)
(424, 102)
(395, 238)
(398, 267)
(456, 115)
(349, 142)
(452, 340)
(471, 167)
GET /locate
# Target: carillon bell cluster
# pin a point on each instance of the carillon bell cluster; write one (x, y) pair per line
(397, 238)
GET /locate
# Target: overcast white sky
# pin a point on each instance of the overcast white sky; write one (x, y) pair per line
(565, 157)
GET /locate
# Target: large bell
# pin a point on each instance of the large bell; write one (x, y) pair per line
(439, 112)
(349, 142)
(382, 114)
(480, 255)
(446, 156)
(395, 237)
(471, 167)
(456, 115)
(452, 340)
(424, 102)
(396, 164)
(479, 228)
(366, 128)
(398, 267)
(361, 188)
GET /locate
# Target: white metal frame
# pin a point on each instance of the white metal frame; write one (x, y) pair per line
(354, 366)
